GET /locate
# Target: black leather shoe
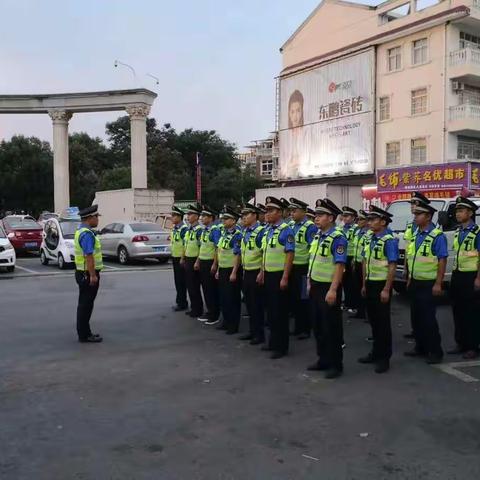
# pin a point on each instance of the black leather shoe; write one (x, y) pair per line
(246, 337)
(382, 366)
(367, 359)
(413, 353)
(255, 341)
(455, 351)
(221, 327)
(333, 373)
(179, 308)
(317, 367)
(231, 332)
(434, 359)
(276, 355)
(303, 336)
(409, 336)
(91, 339)
(266, 348)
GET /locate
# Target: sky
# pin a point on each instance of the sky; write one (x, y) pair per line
(216, 59)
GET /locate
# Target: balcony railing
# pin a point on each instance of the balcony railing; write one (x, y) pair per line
(465, 112)
(465, 56)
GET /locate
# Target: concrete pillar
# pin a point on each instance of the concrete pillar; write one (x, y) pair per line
(61, 179)
(138, 133)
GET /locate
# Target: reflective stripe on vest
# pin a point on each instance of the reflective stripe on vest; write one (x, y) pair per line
(301, 246)
(466, 255)
(350, 233)
(322, 261)
(359, 241)
(226, 257)
(176, 241)
(192, 244)
(376, 261)
(207, 247)
(422, 263)
(273, 252)
(80, 260)
(251, 254)
(409, 232)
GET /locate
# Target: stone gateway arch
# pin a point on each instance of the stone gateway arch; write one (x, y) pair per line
(61, 106)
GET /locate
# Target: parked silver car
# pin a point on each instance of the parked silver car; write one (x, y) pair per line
(135, 240)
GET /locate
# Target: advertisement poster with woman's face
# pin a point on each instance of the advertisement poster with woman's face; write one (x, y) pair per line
(326, 120)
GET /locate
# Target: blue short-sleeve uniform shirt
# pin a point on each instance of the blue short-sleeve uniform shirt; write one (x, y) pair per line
(286, 237)
(465, 231)
(309, 234)
(87, 240)
(439, 245)
(391, 246)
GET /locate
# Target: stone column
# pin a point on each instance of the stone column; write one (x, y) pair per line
(60, 119)
(138, 132)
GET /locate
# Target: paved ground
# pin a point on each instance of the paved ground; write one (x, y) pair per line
(167, 398)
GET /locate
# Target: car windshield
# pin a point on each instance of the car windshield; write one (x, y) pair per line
(146, 227)
(18, 222)
(402, 214)
(69, 227)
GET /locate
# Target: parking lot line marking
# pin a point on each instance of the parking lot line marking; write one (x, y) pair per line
(451, 369)
(28, 270)
(112, 268)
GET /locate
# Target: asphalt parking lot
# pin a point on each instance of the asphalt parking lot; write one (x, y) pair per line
(165, 397)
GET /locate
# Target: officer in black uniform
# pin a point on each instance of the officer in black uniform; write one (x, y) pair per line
(178, 249)
(349, 216)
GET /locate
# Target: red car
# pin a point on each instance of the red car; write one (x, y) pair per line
(24, 233)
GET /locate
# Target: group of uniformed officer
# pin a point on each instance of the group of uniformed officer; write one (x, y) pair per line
(289, 265)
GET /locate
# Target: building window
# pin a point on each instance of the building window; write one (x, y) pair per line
(395, 13)
(469, 41)
(419, 101)
(393, 153)
(469, 94)
(394, 61)
(420, 51)
(384, 108)
(266, 168)
(419, 150)
(468, 148)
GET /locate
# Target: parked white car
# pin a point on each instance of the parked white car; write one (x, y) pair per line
(7, 253)
(57, 243)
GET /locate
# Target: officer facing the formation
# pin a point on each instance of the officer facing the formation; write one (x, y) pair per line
(380, 263)
(349, 228)
(278, 252)
(304, 231)
(251, 248)
(361, 236)
(210, 234)
(427, 260)
(228, 271)
(465, 283)
(88, 265)
(192, 250)
(178, 250)
(328, 256)
(418, 198)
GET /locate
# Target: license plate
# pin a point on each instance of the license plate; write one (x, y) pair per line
(31, 244)
(159, 249)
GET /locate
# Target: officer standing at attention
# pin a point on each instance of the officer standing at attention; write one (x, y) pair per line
(310, 214)
(192, 250)
(379, 265)
(304, 231)
(349, 229)
(261, 214)
(228, 271)
(328, 256)
(251, 248)
(178, 249)
(427, 261)
(88, 265)
(208, 241)
(278, 253)
(465, 283)
(361, 236)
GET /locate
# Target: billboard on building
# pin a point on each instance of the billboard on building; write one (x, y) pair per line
(327, 119)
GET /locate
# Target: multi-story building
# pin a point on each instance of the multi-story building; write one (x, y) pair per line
(425, 79)
(263, 154)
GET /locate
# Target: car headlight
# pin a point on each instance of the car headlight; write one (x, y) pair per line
(9, 246)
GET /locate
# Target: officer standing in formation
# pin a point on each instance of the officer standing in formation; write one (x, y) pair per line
(349, 216)
(278, 253)
(210, 234)
(192, 250)
(465, 283)
(178, 251)
(427, 261)
(328, 256)
(380, 262)
(304, 230)
(88, 265)
(361, 236)
(251, 249)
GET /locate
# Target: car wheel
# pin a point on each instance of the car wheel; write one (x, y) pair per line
(123, 256)
(61, 262)
(43, 258)
(11, 269)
